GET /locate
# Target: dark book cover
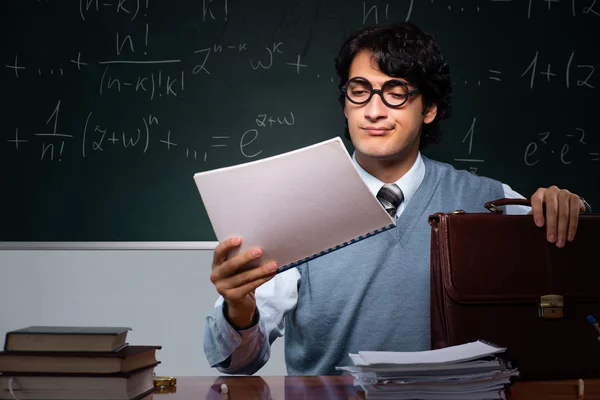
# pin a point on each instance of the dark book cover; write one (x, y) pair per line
(124, 352)
(145, 394)
(66, 338)
(80, 375)
(70, 330)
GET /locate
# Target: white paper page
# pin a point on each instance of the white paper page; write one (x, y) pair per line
(452, 354)
(422, 369)
(356, 359)
(293, 205)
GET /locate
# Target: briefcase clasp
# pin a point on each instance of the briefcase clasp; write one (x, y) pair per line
(551, 306)
(492, 208)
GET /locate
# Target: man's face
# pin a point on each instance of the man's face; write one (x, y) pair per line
(379, 132)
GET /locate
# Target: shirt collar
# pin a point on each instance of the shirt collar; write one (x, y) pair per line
(408, 183)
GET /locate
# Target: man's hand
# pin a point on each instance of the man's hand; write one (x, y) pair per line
(562, 213)
(236, 284)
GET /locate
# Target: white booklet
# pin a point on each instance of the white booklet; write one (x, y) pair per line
(447, 355)
(296, 206)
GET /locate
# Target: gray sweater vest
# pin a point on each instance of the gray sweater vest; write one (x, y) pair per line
(374, 294)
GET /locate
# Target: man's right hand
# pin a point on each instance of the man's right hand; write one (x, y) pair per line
(236, 283)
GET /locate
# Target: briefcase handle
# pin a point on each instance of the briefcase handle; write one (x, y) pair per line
(494, 204)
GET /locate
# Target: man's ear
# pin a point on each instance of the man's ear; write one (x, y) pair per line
(345, 113)
(430, 114)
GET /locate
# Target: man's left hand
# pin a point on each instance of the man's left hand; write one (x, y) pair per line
(562, 213)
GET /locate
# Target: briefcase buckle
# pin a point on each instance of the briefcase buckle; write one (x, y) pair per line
(551, 306)
(492, 208)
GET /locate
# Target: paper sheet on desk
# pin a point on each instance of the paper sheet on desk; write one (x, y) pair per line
(296, 206)
(472, 370)
(452, 354)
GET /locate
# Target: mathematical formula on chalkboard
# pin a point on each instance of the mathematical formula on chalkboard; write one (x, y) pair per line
(117, 88)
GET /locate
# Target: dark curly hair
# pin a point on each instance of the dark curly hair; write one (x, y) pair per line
(404, 51)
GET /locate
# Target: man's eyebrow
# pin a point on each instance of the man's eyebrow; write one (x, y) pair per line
(381, 82)
(378, 84)
(399, 79)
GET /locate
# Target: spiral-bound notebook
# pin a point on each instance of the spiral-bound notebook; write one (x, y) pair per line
(296, 206)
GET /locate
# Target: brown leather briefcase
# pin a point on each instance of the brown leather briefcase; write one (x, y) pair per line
(495, 277)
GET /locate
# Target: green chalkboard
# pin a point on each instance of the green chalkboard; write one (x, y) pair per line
(110, 106)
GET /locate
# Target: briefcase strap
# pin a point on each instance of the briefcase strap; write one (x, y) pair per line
(494, 204)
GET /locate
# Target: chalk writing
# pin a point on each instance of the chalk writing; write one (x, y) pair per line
(470, 160)
(201, 67)
(208, 7)
(97, 137)
(48, 147)
(573, 7)
(583, 73)
(495, 75)
(152, 85)
(180, 87)
(264, 120)
(78, 62)
(574, 149)
(219, 141)
(247, 139)
(374, 11)
(123, 42)
(168, 141)
(16, 140)
(54, 116)
(16, 66)
(268, 61)
(128, 8)
(297, 64)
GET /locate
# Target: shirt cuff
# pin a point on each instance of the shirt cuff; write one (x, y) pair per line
(253, 323)
(221, 340)
(231, 338)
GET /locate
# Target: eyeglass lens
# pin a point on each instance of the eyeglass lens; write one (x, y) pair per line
(394, 92)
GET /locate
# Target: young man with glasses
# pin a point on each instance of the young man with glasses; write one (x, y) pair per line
(374, 295)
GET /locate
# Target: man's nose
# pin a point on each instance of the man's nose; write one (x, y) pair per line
(376, 108)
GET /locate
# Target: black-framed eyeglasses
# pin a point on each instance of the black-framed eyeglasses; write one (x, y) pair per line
(394, 92)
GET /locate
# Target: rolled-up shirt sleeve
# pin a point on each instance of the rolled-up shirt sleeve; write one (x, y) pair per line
(245, 351)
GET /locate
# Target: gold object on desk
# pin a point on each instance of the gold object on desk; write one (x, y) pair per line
(551, 306)
(165, 381)
(165, 390)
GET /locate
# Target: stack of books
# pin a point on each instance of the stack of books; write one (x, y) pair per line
(68, 363)
(473, 370)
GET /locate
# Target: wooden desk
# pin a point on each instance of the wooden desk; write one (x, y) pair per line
(339, 387)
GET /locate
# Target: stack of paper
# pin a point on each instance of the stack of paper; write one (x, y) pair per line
(468, 371)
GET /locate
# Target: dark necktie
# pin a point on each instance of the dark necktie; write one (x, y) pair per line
(390, 196)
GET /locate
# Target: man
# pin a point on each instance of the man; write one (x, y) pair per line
(372, 295)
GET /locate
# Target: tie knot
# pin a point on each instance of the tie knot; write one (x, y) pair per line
(390, 196)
